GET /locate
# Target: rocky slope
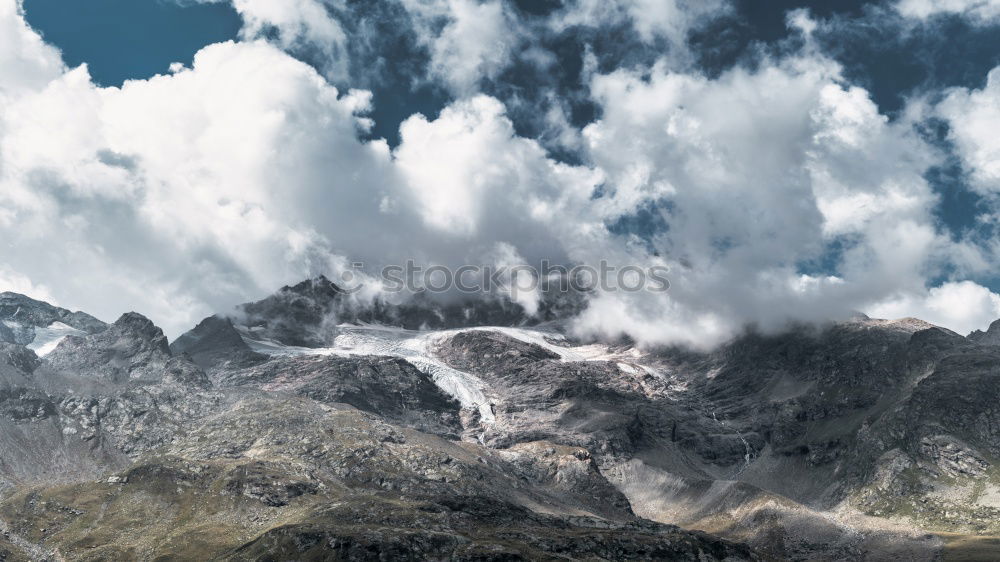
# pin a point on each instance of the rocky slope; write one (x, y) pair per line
(279, 479)
(303, 427)
(306, 314)
(39, 325)
(115, 446)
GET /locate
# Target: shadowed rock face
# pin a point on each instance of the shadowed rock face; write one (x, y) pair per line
(307, 314)
(16, 363)
(801, 399)
(94, 402)
(389, 387)
(216, 343)
(300, 315)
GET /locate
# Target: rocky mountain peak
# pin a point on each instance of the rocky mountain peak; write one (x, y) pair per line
(138, 325)
(214, 342)
(132, 349)
(990, 337)
(318, 288)
(27, 312)
(306, 314)
(39, 325)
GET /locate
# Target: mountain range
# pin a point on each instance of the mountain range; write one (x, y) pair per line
(305, 426)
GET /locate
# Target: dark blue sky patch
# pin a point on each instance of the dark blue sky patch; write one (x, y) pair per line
(530, 90)
(537, 7)
(895, 59)
(395, 102)
(960, 207)
(386, 57)
(961, 212)
(828, 259)
(757, 27)
(128, 39)
(766, 21)
(645, 224)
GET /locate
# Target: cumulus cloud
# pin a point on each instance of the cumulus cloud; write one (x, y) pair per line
(294, 25)
(470, 173)
(26, 62)
(651, 19)
(778, 193)
(17, 283)
(974, 116)
(186, 193)
(757, 173)
(463, 42)
(962, 306)
(468, 40)
(151, 186)
(981, 10)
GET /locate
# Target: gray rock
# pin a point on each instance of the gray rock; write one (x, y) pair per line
(24, 314)
(326, 456)
(215, 343)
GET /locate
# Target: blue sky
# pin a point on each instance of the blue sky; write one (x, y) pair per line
(126, 39)
(788, 160)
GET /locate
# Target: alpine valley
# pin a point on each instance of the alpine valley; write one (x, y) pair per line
(304, 427)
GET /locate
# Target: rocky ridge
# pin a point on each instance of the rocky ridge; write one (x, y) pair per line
(293, 430)
(285, 457)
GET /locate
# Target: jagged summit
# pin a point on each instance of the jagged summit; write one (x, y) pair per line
(38, 324)
(137, 324)
(131, 349)
(318, 287)
(24, 310)
(215, 341)
(990, 337)
(306, 314)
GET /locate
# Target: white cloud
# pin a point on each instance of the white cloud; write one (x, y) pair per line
(651, 19)
(468, 168)
(294, 24)
(758, 172)
(177, 194)
(15, 282)
(469, 40)
(186, 193)
(961, 306)
(25, 60)
(974, 116)
(981, 10)
(295, 20)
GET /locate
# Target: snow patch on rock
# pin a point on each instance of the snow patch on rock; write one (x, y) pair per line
(413, 346)
(46, 339)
